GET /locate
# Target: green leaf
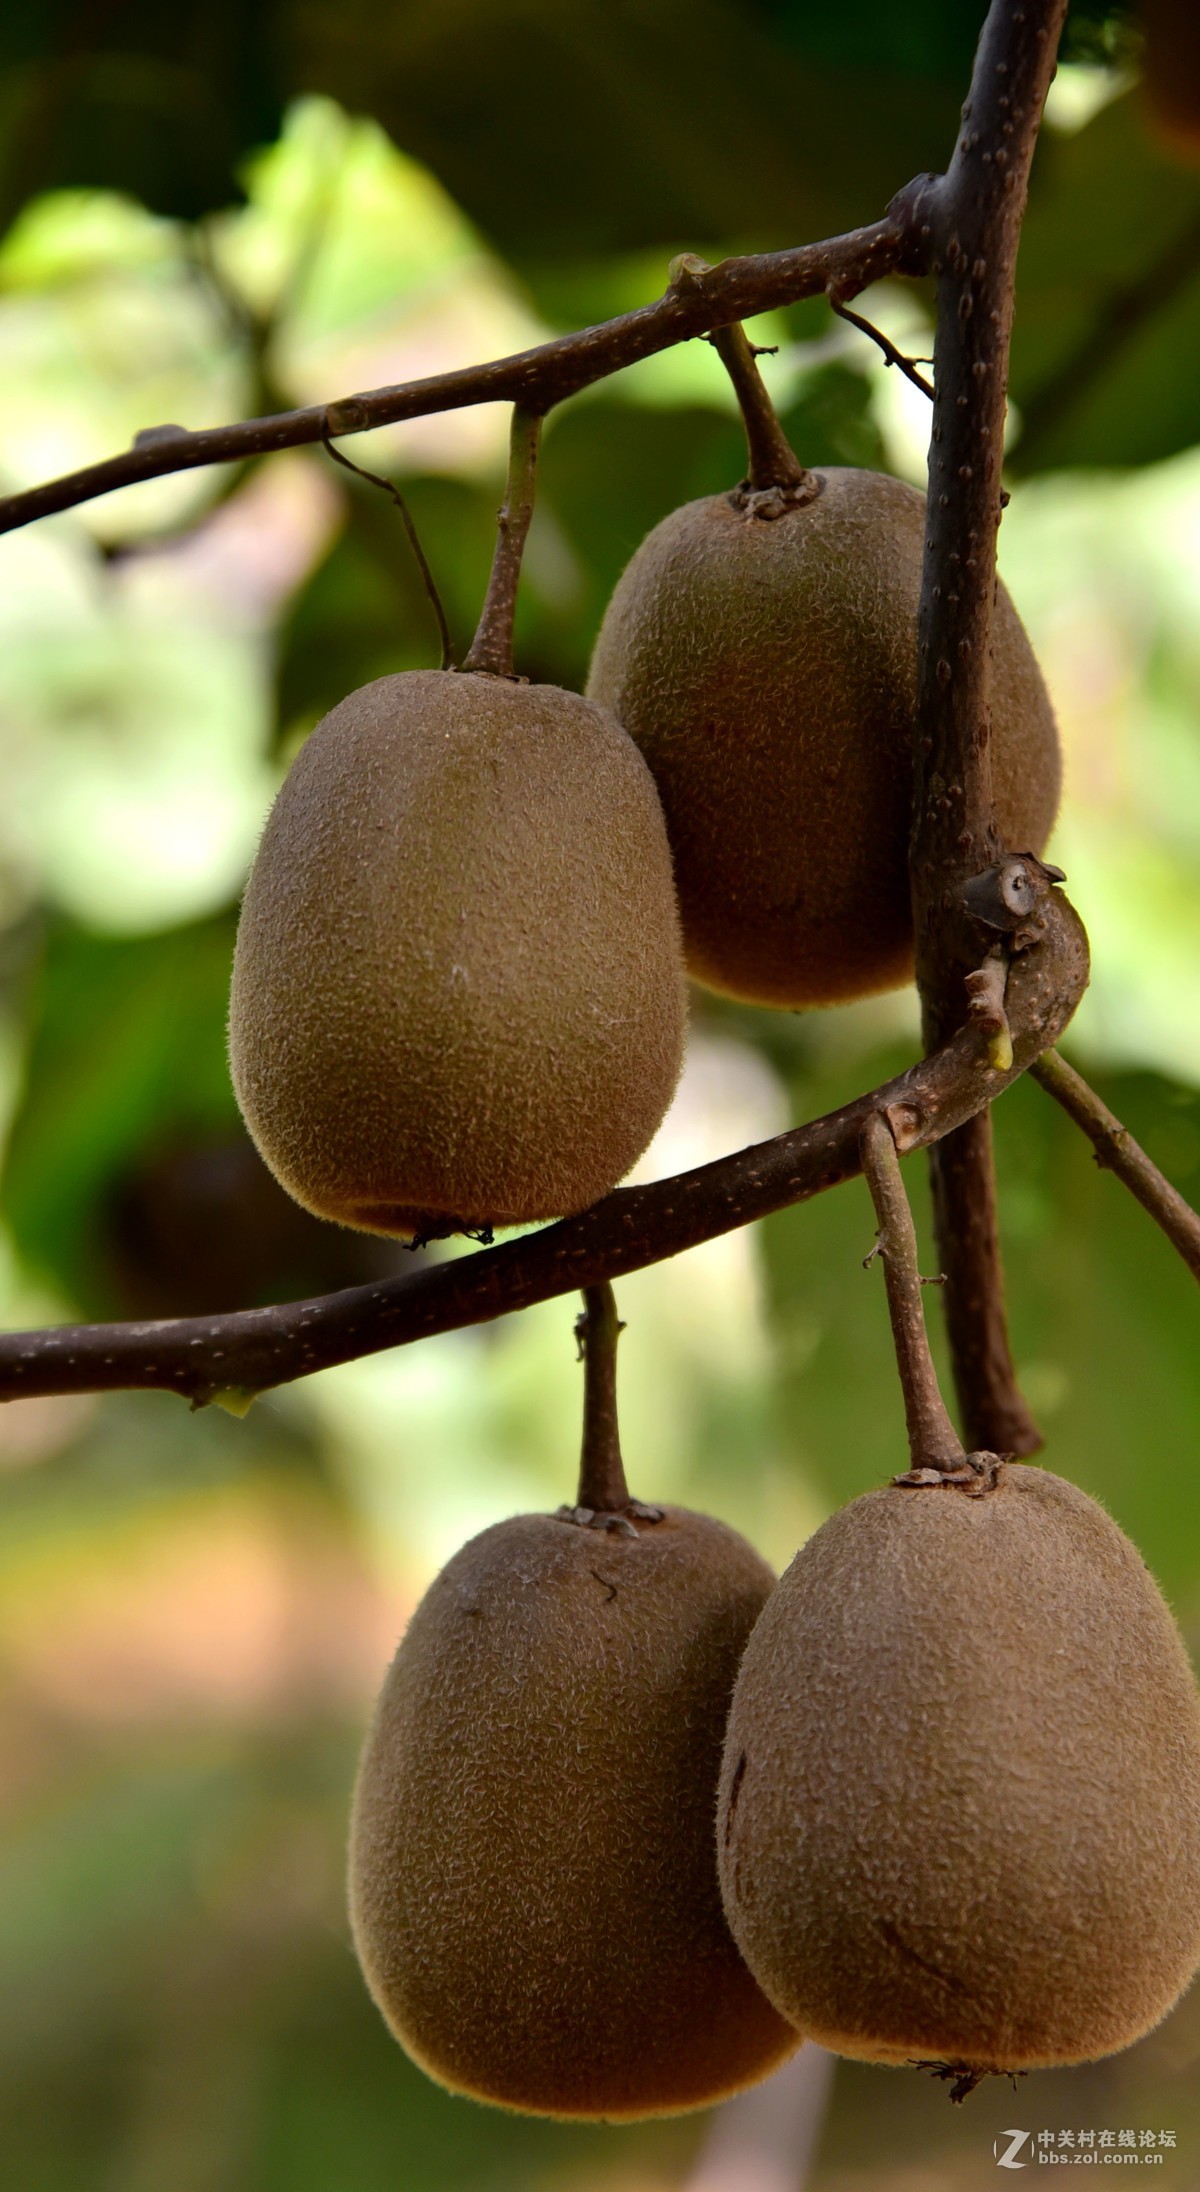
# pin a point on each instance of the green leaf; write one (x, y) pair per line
(595, 128)
(160, 102)
(1108, 300)
(129, 1041)
(131, 1182)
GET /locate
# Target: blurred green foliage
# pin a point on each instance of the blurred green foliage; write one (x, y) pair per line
(129, 1036)
(195, 1611)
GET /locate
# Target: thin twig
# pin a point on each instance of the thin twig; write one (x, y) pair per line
(773, 461)
(1118, 1153)
(891, 356)
(933, 1441)
(414, 541)
(602, 1485)
(539, 378)
(250, 1350)
(492, 647)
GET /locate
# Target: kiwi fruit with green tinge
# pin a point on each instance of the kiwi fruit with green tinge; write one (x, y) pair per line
(761, 649)
(458, 992)
(533, 1880)
(959, 1816)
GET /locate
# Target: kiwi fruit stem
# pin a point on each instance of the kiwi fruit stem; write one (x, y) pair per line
(773, 462)
(602, 1486)
(933, 1441)
(491, 650)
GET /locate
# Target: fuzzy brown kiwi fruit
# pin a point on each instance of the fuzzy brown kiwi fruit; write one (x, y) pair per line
(761, 648)
(533, 1881)
(960, 1802)
(458, 993)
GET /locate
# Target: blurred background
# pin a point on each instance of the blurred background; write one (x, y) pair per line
(213, 211)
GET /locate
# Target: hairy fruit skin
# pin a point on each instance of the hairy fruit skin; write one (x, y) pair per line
(959, 1815)
(458, 992)
(533, 1883)
(767, 668)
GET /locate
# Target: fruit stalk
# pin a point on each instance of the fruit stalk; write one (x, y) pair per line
(932, 1439)
(973, 215)
(602, 1486)
(492, 647)
(773, 461)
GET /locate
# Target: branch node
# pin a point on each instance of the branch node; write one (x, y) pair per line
(236, 1400)
(348, 416)
(157, 437)
(1010, 897)
(913, 211)
(686, 272)
(907, 1124)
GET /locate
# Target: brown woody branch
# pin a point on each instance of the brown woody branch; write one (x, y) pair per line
(972, 219)
(1117, 1152)
(971, 224)
(536, 380)
(208, 1357)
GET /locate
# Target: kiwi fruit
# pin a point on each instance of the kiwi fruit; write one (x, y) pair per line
(533, 1879)
(761, 648)
(458, 989)
(959, 1816)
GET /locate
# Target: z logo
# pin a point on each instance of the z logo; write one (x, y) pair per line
(1007, 2160)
